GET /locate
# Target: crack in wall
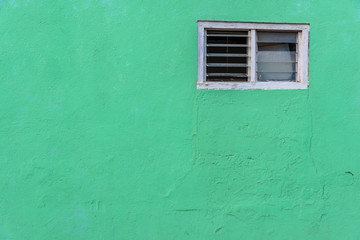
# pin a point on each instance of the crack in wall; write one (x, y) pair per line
(195, 129)
(311, 133)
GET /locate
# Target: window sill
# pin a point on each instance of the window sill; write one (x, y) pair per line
(250, 86)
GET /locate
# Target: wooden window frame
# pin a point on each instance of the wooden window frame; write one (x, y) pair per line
(302, 79)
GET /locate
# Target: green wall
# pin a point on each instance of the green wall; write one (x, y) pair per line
(103, 134)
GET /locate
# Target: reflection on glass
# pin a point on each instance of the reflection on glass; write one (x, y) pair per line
(276, 56)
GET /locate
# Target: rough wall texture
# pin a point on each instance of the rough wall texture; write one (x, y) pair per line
(103, 134)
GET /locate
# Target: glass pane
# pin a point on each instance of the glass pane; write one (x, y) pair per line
(276, 37)
(270, 77)
(276, 56)
(276, 67)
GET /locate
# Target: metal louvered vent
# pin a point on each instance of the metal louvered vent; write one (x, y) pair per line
(239, 55)
(227, 56)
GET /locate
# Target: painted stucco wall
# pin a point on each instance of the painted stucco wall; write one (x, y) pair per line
(103, 134)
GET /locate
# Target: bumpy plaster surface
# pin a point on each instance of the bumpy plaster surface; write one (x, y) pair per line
(103, 134)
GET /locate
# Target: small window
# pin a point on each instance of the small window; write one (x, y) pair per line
(234, 55)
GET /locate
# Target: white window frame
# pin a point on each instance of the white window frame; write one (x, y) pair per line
(302, 78)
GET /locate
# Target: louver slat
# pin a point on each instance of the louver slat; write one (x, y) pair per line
(226, 65)
(227, 45)
(227, 55)
(227, 74)
(227, 35)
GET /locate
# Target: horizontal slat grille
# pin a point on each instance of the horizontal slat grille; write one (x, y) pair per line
(227, 55)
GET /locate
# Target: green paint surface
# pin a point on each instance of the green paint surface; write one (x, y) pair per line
(103, 134)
